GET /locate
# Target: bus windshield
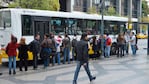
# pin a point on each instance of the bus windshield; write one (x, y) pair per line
(5, 19)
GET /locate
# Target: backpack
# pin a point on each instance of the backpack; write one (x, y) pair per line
(30, 46)
(74, 43)
(108, 41)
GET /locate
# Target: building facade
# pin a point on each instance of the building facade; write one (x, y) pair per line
(126, 8)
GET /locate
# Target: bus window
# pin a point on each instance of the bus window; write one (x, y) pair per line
(72, 26)
(58, 25)
(26, 25)
(5, 19)
(89, 26)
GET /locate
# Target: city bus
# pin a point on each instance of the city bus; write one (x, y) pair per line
(28, 22)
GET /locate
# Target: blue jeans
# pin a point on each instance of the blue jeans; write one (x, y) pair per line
(133, 48)
(58, 58)
(107, 51)
(86, 67)
(66, 54)
(46, 62)
(12, 59)
(47, 59)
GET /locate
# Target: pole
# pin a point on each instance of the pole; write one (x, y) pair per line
(102, 26)
(148, 42)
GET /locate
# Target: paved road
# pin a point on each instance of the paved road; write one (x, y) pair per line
(127, 70)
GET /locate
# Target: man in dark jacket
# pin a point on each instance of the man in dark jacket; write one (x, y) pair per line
(35, 50)
(82, 58)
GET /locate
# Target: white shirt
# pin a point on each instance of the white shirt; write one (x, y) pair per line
(133, 40)
(127, 38)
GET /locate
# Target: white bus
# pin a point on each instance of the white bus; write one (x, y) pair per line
(28, 22)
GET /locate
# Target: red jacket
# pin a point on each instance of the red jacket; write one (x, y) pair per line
(12, 47)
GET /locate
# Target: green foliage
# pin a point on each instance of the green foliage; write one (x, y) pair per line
(37, 4)
(92, 10)
(145, 9)
(111, 11)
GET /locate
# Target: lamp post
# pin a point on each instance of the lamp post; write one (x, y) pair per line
(102, 26)
(104, 3)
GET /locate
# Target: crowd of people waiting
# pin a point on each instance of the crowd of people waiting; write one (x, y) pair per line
(54, 47)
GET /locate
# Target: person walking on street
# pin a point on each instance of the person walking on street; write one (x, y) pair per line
(82, 58)
(11, 52)
(35, 49)
(23, 55)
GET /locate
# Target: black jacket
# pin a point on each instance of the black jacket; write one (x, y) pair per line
(23, 51)
(36, 46)
(82, 51)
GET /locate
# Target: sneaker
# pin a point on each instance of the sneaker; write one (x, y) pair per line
(9, 72)
(74, 82)
(93, 78)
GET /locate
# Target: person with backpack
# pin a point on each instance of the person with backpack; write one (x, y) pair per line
(46, 50)
(74, 45)
(34, 47)
(66, 45)
(82, 58)
(108, 43)
(12, 53)
(53, 47)
(23, 55)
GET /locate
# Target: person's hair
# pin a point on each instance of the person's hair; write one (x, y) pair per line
(14, 40)
(47, 35)
(51, 35)
(107, 34)
(22, 41)
(83, 36)
(66, 35)
(36, 35)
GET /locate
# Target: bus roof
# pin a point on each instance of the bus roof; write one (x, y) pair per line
(74, 14)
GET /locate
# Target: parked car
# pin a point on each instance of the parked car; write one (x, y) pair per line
(142, 36)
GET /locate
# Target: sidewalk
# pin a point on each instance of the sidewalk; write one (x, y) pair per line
(126, 70)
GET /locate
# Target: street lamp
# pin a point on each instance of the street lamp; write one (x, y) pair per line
(103, 4)
(97, 3)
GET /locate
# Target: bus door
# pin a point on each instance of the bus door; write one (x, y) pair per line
(41, 27)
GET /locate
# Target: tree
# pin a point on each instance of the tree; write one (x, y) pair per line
(145, 9)
(37, 4)
(111, 11)
(92, 10)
